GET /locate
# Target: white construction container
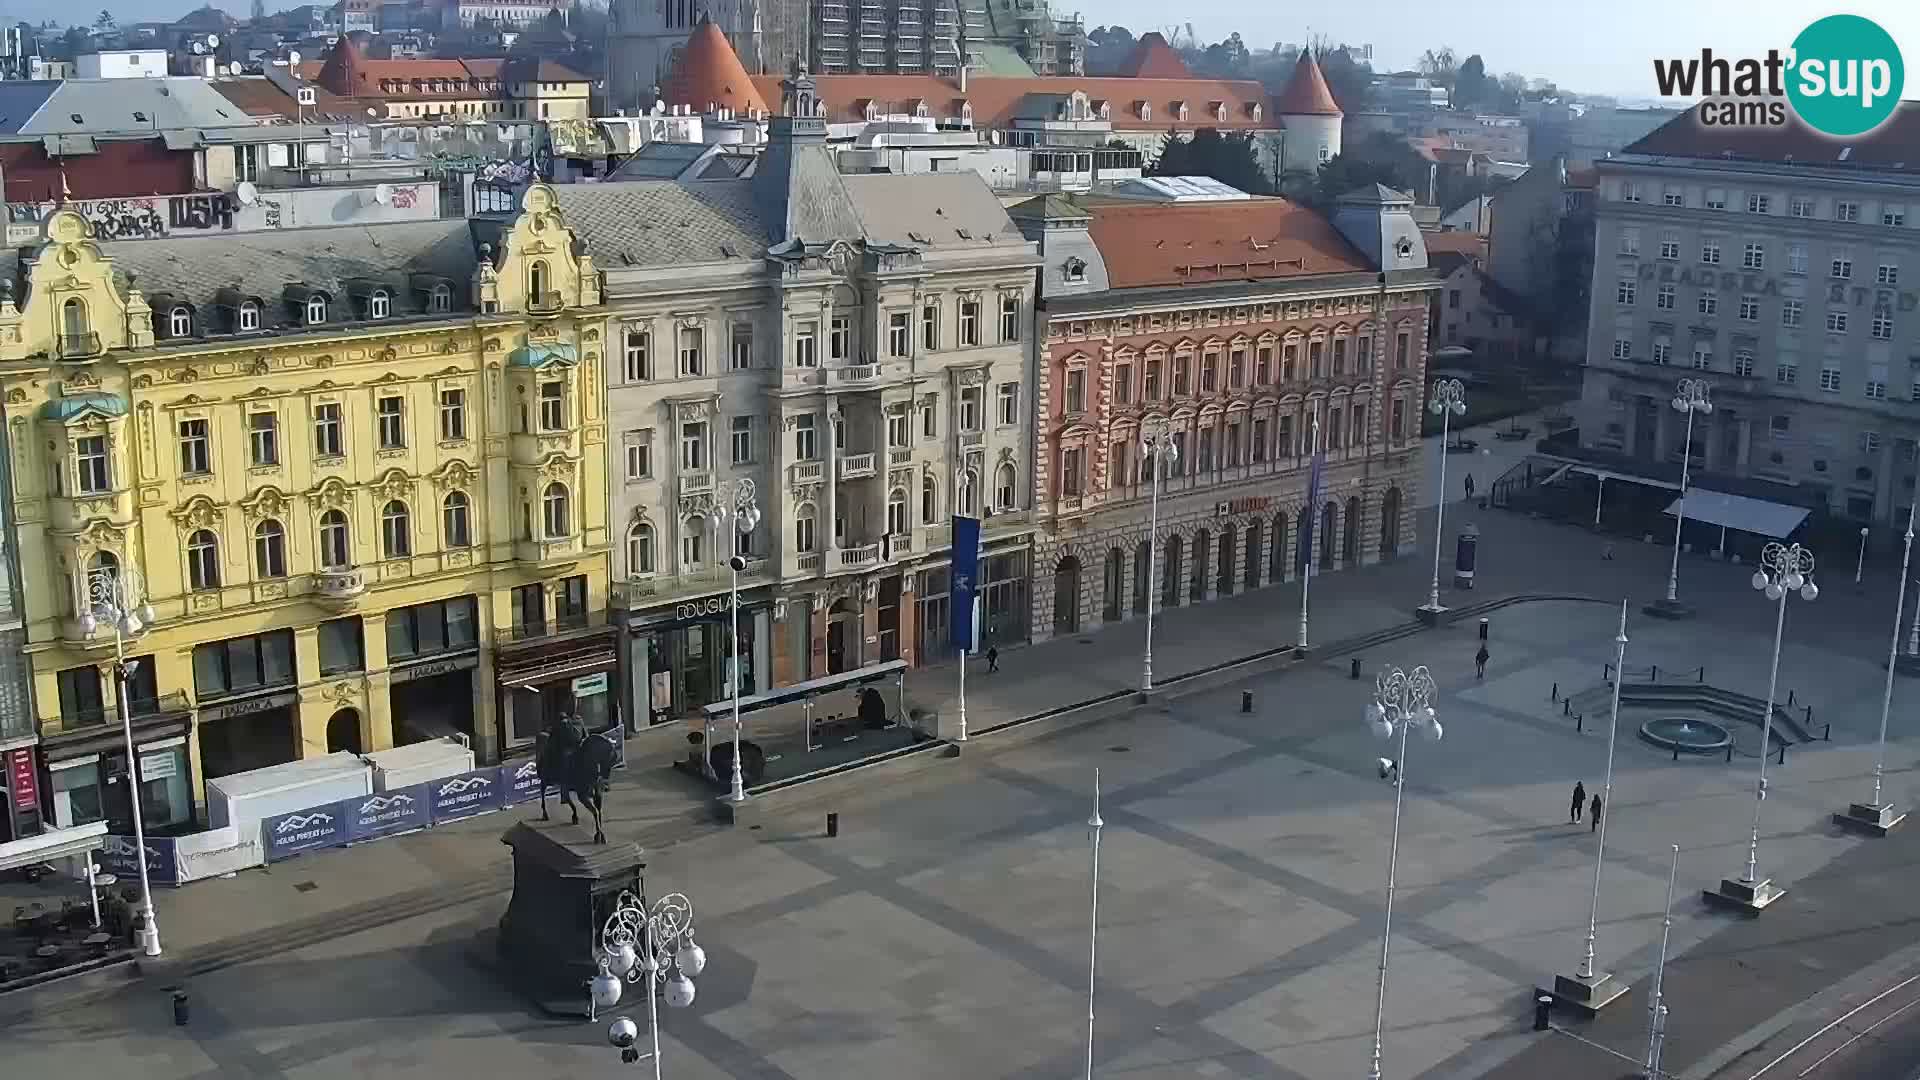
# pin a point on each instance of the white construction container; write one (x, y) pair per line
(405, 766)
(245, 799)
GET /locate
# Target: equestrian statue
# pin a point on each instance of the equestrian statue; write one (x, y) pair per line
(579, 764)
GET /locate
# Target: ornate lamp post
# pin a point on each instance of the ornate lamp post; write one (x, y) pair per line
(1094, 824)
(1449, 401)
(1875, 816)
(1402, 701)
(1690, 398)
(1784, 569)
(117, 599)
(734, 499)
(1657, 1001)
(1157, 446)
(1860, 564)
(655, 944)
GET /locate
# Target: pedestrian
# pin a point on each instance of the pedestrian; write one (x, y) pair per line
(1579, 799)
(1469, 485)
(1606, 553)
(993, 658)
(1594, 812)
(1480, 662)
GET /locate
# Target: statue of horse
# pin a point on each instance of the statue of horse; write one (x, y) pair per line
(579, 764)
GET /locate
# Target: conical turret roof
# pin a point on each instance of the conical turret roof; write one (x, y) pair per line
(1306, 93)
(709, 74)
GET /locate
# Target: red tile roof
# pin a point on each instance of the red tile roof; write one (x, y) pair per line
(1203, 243)
(997, 100)
(1153, 58)
(709, 73)
(346, 71)
(1306, 93)
(1894, 146)
(1458, 241)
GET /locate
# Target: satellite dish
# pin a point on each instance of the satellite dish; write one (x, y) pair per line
(247, 192)
(383, 194)
(213, 41)
(293, 57)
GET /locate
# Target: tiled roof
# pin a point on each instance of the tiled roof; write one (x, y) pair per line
(1203, 243)
(347, 71)
(1153, 58)
(133, 107)
(260, 98)
(1894, 146)
(647, 223)
(1306, 93)
(931, 211)
(1458, 241)
(996, 101)
(709, 73)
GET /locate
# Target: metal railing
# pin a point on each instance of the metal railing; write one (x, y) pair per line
(544, 302)
(78, 346)
(553, 626)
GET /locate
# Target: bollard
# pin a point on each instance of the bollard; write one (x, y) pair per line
(833, 825)
(1353, 671)
(1246, 701)
(1790, 699)
(1566, 707)
(1579, 722)
(179, 1008)
(1542, 1006)
(1676, 752)
(1826, 733)
(1483, 629)
(1556, 693)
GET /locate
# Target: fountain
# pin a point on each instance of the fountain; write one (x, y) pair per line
(1687, 734)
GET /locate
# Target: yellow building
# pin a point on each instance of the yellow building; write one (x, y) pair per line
(357, 473)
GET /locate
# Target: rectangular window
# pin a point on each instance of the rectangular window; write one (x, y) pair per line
(740, 439)
(1830, 378)
(840, 338)
(1743, 363)
(969, 323)
(693, 446)
(1075, 399)
(390, 412)
(329, 437)
(1009, 403)
(90, 457)
(1754, 257)
(1182, 376)
(1709, 303)
(1800, 206)
(1237, 369)
(1072, 468)
(1716, 199)
(1668, 197)
(1316, 359)
(1669, 246)
(692, 362)
(639, 356)
(342, 646)
(1258, 449)
(1758, 203)
(1842, 265)
(1210, 373)
(1664, 298)
(1877, 383)
(1153, 380)
(899, 333)
(1786, 373)
(1622, 348)
(1888, 274)
(741, 338)
(445, 626)
(1790, 312)
(1629, 245)
(930, 417)
(806, 345)
(1123, 384)
(1339, 356)
(453, 415)
(263, 438)
(196, 451)
(1263, 365)
(241, 664)
(1750, 308)
(1663, 352)
(1710, 252)
(1893, 216)
(1779, 425)
(1836, 322)
(970, 409)
(1846, 210)
(930, 327)
(1629, 191)
(1009, 317)
(1796, 258)
(553, 406)
(640, 454)
(1402, 351)
(1882, 324)
(806, 438)
(1623, 293)
(1702, 356)
(899, 430)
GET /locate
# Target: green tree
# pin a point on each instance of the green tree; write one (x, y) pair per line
(1348, 172)
(1227, 158)
(1350, 80)
(104, 23)
(1470, 83)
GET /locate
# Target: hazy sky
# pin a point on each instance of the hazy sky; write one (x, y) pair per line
(1601, 47)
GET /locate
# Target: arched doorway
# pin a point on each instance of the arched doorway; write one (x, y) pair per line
(1390, 523)
(1350, 540)
(1066, 596)
(1223, 574)
(1252, 557)
(1142, 569)
(343, 732)
(843, 636)
(1302, 542)
(1329, 532)
(1170, 572)
(1111, 582)
(1277, 550)
(1197, 583)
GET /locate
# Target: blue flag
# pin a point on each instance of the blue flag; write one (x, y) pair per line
(966, 581)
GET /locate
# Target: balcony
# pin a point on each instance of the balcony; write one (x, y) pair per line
(541, 552)
(698, 483)
(972, 440)
(808, 563)
(545, 303)
(559, 625)
(902, 543)
(807, 472)
(854, 466)
(899, 457)
(857, 558)
(340, 588)
(78, 346)
(849, 374)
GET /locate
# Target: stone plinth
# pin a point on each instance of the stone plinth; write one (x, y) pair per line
(564, 887)
(1586, 994)
(1747, 897)
(1869, 819)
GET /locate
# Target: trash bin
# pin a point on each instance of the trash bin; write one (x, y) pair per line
(1542, 1006)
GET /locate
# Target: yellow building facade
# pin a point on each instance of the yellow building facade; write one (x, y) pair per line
(350, 484)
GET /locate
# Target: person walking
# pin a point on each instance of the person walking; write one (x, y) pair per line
(993, 659)
(1579, 801)
(1593, 812)
(1469, 485)
(1480, 662)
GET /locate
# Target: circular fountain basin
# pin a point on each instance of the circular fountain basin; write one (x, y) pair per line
(1687, 734)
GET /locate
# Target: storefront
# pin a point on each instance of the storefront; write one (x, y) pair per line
(1003, 598)
(87, 771)
(679, 660)
(432, 651)
(542, 680)
(248, 695)
(20, 787)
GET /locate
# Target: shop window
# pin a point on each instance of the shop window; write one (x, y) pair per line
(342, 646)
(242, 664)
(434, 628)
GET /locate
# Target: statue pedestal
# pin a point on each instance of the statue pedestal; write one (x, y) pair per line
(564, 887)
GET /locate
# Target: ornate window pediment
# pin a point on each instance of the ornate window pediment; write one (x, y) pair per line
(267, 502)
(199, 512)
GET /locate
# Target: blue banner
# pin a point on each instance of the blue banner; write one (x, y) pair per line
(1303, 561)
(117, 858)
(463, 796)
(966, 581)
(519, 782)
(387, 812)
(322, 826)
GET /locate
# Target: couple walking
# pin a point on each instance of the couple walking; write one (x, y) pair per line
(1580, 803)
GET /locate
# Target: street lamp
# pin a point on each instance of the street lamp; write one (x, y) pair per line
(1161, 454)
(1784, 569)
(1094, 824)
(1401, 701)
(1875, 816)
(117, 598)
(1589, 989)
(1860, 564)
(1690, 397)
(1449, 401)
(1657, 1001)
(735, 499)
(655, 944)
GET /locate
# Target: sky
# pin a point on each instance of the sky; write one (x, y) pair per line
(1599, 48)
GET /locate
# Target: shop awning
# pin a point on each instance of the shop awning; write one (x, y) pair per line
(1757, 516)
(48, 846)
(1609, 474)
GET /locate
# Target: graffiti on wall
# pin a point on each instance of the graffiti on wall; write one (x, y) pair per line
(204, 213)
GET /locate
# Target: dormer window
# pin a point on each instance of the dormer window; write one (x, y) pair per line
(179, 322)
(440, 299)
(1179, 110)
(316, 310)
(378, 305)
(1254, 110)
(872, 112)
(1076, 270)
(1403, 248)
(1220, 110)
(248, 317)
(1145, 108)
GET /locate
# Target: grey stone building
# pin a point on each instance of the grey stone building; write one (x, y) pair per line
(1780, 266)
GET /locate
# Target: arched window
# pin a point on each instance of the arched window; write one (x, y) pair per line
(270, 549)
(316, 310)
(537, 280)
(440, 299)
(805, 528)
(103, 570)
(897, 512)
(929, 500)
(334, 546)
(1006, 488)
(456, 521)
(639, 549)
(555, 510)
(203, 561)
(249, 316)
(179, 322)
(73, 317)
(969, 494)
(378, 305)
(396, 532)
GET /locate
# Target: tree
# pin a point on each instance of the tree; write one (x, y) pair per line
(1227, 158)
(1439, 65)
(1225, 59)
(1350, 80)
(1347, 172)
(1107, 48)
(104, 23)
(1470, 83)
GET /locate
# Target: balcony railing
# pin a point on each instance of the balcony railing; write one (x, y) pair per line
(698, 483)
(551, 549)
(856, 465)
(78, 346)
(173, 701)
(853, 373)
(553, 626)
(339, 585)
(544, 302)
(808, 563)
(807, 472)
(852, 558)
(899, 457)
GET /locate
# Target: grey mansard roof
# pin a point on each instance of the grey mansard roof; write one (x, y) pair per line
(653, 223)
(931, 212)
